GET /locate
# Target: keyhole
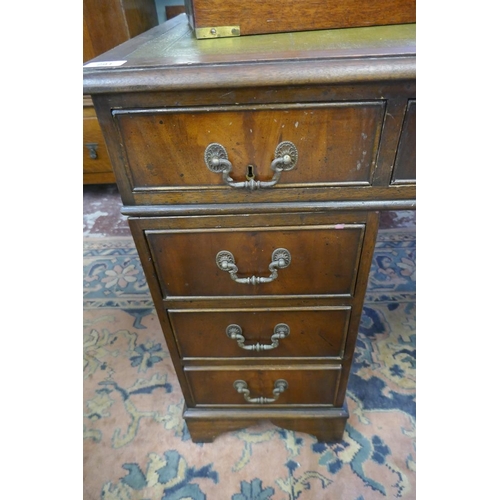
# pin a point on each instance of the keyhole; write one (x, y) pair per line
(250, 173)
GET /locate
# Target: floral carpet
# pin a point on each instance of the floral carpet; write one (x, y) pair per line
(136, 445)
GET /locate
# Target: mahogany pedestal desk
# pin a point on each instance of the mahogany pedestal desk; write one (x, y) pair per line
(252, 171)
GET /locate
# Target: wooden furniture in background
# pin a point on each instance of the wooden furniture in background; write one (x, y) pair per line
(252, 171)
(213, 18)
(106, 25)
(97, 168)
(174, 10)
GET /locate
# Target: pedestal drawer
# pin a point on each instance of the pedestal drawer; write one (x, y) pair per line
(264, 385)
(282, 332)
(291, 260)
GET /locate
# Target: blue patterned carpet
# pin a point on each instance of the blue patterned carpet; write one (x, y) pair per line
(136, 445)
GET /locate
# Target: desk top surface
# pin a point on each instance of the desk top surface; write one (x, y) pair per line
(172, 48)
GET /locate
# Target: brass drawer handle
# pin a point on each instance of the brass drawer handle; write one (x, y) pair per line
(285, 158)
(235, 332)
(242, 387)
(279, 260)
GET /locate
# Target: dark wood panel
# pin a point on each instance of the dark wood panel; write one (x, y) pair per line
(388, 90)
(239, 208)
(323, 260)
(405, 166)
(352, 197)
(313, 385)
(336, 143)
(319, 333)
(357, 195)
(205, 424)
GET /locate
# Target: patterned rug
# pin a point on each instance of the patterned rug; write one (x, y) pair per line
(136, 445)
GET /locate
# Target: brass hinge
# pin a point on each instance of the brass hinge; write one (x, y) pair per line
(217, 32)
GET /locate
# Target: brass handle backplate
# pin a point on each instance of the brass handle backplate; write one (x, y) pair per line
(285, 158)
(242, 387)
(235, 332)
(280, 259)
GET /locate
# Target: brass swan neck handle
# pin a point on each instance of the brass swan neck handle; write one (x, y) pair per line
(285, 158)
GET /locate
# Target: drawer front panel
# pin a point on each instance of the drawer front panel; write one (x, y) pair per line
(307, 333)
(95, 154)
(405, 165)
(323, 260)
(336, 143)
(313, 385)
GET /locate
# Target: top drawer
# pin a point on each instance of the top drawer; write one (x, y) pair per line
(336, 144)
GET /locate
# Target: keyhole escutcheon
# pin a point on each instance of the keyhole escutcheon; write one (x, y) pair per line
(250, 172)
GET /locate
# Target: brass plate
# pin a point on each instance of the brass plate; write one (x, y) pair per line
(217, 32)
